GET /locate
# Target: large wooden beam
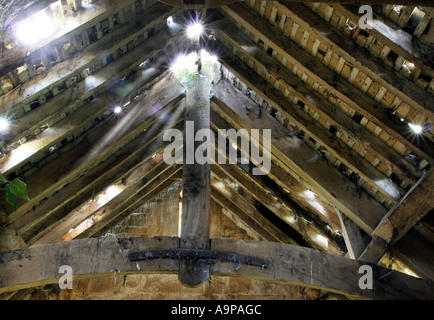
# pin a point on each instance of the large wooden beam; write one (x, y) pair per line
(409, 211)
(400, 219)
(416, 253)
(99, 257)
(199, 4)
(196, 192)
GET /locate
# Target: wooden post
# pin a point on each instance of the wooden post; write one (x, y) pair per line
(77, 5)
(195, 222)
(352, 236)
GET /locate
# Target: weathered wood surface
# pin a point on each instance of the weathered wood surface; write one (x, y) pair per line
(352, 236)
(409, 211)
(198, 4)
(201, 4)
(98, 257)
(196, 192)
(312, 268)
(401, 218)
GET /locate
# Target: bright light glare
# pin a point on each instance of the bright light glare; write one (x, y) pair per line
(206, 56)
(184, 62)
(34, 29)
(416, 128)
(109, 194)
(321, 240)
(4, 124)
(118, 110)
(194, 30)
(308, 195)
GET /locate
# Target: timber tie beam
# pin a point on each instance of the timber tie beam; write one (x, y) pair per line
(110, 256)
(207, 257)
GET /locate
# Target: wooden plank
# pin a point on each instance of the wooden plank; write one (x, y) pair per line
(99, 257)
(103, 257)
(409, 211)
(416, 253)
(401, 218)
(405, 16)
(352, 236)
(313, 268)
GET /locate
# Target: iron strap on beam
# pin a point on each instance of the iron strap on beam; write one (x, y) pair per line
(206, 256)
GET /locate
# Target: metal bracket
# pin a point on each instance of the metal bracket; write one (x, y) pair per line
(206, 256)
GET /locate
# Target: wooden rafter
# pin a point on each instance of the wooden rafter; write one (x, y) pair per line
(246, 212)
(299, 71)
(399, 220)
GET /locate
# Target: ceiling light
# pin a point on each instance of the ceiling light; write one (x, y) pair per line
(194, 30)
(34, 29)
(416, 128)
(184, 63)
(117, 110)
(4, 124)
